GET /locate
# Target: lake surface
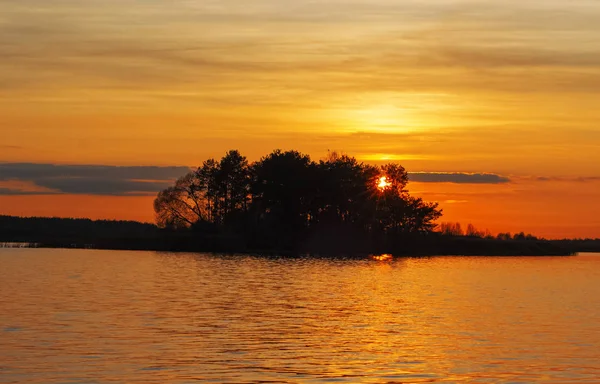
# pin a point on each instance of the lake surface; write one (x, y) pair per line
(84, 316)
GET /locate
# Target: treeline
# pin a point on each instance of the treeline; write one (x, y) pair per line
(287, 201)
(73, 232)
(456, 229)
(107, 234)
(579, 245)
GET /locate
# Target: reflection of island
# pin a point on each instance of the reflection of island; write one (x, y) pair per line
(383, 257)
(285, 203)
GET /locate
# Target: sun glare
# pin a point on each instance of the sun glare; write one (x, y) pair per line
(383, 183)
(384, 257)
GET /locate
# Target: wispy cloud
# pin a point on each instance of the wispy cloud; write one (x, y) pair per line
(17, 192)
(357, 45)
(579, 179)
(46, 179)
(508, 78)
(458, 178)
(43, 179)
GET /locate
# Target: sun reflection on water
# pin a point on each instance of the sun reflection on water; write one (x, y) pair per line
(147, 317)
(382, 257)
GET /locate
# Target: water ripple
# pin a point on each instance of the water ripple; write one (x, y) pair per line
(82, 316)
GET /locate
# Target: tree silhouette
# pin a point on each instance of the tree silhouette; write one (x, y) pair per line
(182, 205)
(232, 179)
(345, 187)
(451, 229)
(285, 198)
(283, 190)
(214, 193)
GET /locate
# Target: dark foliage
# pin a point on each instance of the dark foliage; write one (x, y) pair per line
(287, 201)
(579, 245)
(72, 232)
(102, 234)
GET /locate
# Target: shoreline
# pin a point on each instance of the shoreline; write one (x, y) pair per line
(538, 249)
(115, 235)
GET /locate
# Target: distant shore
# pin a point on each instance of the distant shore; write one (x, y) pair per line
(129, 235)
(489, 250)
(118, 235)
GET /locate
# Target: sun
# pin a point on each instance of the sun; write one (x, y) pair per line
(383, 183)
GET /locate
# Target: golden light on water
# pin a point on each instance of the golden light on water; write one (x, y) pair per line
(383, 257)
(383, 183)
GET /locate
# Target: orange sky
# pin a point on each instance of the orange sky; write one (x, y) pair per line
(509, 88)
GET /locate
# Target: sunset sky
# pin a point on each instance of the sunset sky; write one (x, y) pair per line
(492, 106)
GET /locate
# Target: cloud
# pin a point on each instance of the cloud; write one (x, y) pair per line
(458, 178)
(107, 180)
(580, 179)
(306, 46)
(85, 179)
(585, 179)
(17, 192)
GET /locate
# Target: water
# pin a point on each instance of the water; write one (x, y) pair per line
(82, 316)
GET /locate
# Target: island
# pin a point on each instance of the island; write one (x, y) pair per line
(288, 204)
